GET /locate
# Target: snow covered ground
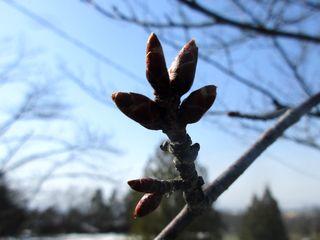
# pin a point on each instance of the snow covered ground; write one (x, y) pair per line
(108, 236)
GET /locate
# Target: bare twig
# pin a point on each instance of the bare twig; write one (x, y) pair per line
(246, 11)
(117, 15)
(271, 115)
(247, 26)
(96, 95)
(305, 141)
(227, 178)
(71, 39)
(293, 67)
(12, 152)
(263, 117)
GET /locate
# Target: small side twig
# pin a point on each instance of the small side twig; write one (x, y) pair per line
(263, 117)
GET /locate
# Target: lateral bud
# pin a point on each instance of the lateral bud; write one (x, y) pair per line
(146, 185)
(156, 69)
(183, 68)
(139, 108)
(151, 185)
(147, 204)
(197, 104)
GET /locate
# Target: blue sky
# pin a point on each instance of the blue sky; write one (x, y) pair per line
(125, 45)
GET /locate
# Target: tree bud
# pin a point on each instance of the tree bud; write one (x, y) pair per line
(146, 185)
(147, 204)
(183, 68)
(151, 185)
(139, 108)
(156, 70)
(196, 104)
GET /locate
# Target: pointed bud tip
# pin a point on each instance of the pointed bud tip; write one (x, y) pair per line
(153, 41)
(117, 95)
(212, 88)
(209, 90)
(152, 35)
(132, 183)
(192, 42)
(114, 95)
(190, 45)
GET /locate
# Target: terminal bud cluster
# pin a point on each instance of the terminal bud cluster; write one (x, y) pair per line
(167, 113)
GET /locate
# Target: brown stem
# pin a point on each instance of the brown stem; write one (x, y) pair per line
(185, 153)
(152, 185)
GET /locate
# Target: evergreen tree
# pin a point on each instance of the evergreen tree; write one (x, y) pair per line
(161, 167)
(12, 215)
(100, 213)
(47, 222)
(262, 220)
(118, 211)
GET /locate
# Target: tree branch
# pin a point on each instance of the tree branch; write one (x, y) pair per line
(263, 117)
(117, 15)
(266, 116)
(270, 32)
(293, 67)
(227, 178)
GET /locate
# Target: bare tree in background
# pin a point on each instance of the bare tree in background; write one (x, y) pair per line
(39, 138)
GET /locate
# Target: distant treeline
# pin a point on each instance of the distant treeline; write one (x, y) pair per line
(101, 216)
(261, 221)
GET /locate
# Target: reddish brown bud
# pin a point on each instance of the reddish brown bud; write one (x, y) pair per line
(151, 185)
(139, 108)
(183, 68)
(147, 185)
(156, 70)
(196, 104)
(147, 204)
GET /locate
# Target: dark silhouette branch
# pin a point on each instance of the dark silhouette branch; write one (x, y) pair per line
(99, 96)
(227, 178)
(39, 156)
(315, 114)
(247, 26)
(271, 115)
(306, 141)
(117, 15)
(13, 151)
(51, 175)
(293, 67)
(263, 117)
(303, 141)
(246, 11)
